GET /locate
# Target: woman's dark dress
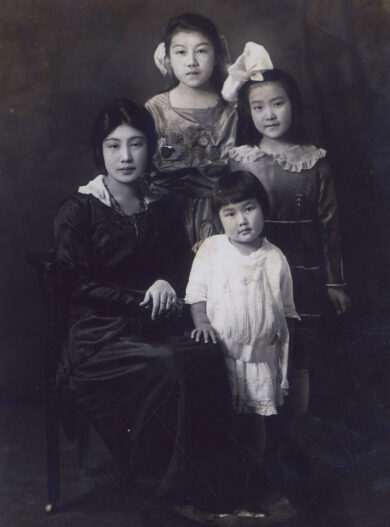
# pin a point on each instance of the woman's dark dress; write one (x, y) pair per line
(119, 365)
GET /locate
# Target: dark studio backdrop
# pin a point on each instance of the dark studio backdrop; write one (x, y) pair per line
(62, 60)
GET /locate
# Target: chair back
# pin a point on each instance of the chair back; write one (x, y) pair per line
(51, 286)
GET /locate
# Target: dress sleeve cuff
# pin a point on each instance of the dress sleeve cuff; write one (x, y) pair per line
(194, 299)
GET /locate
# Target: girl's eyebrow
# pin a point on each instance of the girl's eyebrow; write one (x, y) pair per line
(118, 139)
(183, 45)
(273, 99)
(244, 202)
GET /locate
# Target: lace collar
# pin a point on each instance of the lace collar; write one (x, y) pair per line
(295, 159)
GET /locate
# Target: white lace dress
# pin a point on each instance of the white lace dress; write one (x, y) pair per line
(248, 298)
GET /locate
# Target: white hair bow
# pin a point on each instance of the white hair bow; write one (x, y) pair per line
(248, 66)
(159, 57)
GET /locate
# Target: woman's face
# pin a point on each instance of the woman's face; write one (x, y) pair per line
(125, 154)
(270, 109)
(192, 58)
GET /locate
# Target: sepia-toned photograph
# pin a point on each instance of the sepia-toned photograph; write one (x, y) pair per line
(195, 284)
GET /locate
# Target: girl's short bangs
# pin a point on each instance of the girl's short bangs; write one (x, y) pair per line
(238, 186)
(228, 196)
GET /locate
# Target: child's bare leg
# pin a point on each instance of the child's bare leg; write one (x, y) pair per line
(249, 436)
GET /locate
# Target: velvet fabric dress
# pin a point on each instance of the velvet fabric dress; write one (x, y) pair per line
(304, 223)
(192, 150)
(120, 366)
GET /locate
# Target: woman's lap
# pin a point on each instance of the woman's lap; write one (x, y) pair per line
(133, 356)
(131, 380)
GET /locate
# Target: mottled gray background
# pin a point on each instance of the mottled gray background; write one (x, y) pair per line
(62, 59)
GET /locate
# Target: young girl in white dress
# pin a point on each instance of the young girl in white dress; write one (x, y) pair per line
(240, 291)
(195, 126)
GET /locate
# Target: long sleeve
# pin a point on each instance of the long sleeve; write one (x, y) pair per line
(286, 290)
(75, 253)
(329, 223)
(172, 247)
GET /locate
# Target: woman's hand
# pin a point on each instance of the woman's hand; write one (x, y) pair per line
(161, 297)
(205, 330)
(339, 299)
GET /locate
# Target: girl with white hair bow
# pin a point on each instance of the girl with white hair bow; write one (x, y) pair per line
(195, 126)
(303, 220)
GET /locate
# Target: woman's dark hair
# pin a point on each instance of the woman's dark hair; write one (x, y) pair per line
(117, 112)
(247, 134)
(240, 185)
(194, 22)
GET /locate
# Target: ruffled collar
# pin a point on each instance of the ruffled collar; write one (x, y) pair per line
(295, 159)
(96, 188)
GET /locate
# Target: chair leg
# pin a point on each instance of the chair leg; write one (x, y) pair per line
(53, 451)
(84, 446)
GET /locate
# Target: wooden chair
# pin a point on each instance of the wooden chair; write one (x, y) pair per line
(49, 277)
(52, 292)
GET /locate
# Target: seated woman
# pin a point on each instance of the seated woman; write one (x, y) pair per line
(118, 245)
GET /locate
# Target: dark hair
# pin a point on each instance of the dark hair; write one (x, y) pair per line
(195, 22)
(240, 185)
(247, 134)
(117, 112)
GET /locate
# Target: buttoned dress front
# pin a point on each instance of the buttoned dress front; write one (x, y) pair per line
(304, 223)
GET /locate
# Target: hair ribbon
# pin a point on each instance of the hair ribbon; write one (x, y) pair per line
(249, 65)
(159, 57)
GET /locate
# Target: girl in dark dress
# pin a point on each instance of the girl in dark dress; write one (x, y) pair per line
(120, 248)
(304, 218)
